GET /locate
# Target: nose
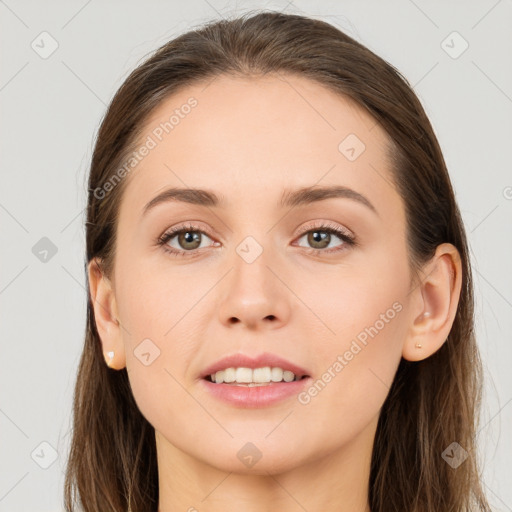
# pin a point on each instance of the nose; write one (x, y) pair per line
(254, 296)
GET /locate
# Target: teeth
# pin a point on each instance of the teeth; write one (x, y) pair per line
(277, 374)
(262, 374)
(288, 376)
(243, 375)
(229, 375)
(250, 377)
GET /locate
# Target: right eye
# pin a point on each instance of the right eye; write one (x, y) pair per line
(189, 239)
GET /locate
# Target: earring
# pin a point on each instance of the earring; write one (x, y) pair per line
(110, 357)
(418, 345)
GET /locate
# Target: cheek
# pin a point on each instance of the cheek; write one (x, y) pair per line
(355, 362)
(355, 369)
(152, 301)
(159, 314)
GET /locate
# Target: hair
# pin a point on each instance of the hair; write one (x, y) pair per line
(112, 464)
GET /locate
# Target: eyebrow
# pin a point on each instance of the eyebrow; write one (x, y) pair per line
(290, 198)
(185, 195)
(308, 195)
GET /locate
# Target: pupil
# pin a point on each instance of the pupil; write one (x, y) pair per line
(321, 237)
(189, 237)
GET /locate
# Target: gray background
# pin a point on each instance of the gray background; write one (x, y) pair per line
(51, 109)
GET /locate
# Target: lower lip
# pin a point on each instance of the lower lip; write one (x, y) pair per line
(256, 396)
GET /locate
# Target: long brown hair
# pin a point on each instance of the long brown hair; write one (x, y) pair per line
(431, 404)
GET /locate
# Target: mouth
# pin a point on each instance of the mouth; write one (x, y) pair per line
(263, 370)
(263, 386)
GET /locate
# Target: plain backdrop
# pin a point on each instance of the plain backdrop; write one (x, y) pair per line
(62, 61)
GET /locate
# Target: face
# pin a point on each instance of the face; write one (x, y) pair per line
(321, 282)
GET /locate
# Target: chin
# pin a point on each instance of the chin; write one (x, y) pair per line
(254, 458)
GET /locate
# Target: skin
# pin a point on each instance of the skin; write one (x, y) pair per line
(247, 140)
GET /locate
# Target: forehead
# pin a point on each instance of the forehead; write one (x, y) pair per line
(250, 136)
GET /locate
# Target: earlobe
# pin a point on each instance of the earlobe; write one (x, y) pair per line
(103, 302)
(436, 300)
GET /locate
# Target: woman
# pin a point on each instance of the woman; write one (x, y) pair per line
(281, 303)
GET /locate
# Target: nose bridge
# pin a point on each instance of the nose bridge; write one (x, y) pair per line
(253, 294)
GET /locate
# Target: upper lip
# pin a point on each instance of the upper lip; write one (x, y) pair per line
(260, 361)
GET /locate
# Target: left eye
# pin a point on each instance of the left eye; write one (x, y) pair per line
(321, 237)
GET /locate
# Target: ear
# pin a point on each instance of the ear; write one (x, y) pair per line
(435, 304)
(105, 314)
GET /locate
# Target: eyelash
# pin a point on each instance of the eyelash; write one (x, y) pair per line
(326, 227)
